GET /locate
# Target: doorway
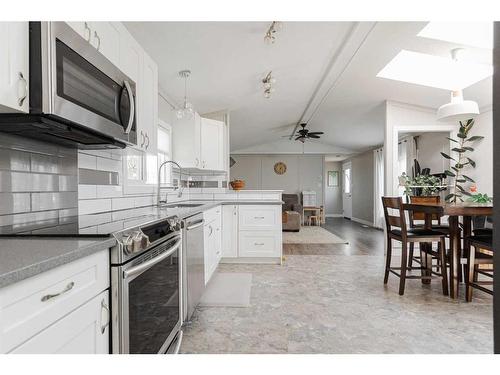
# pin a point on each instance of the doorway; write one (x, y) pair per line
(347, 190)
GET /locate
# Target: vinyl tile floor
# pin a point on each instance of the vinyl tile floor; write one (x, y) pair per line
(331, 299)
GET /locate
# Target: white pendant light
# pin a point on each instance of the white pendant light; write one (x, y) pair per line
(457, 109)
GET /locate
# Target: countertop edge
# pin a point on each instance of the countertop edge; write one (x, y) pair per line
(21, 274)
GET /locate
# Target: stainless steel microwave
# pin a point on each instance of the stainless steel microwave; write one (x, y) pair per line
(77, 96)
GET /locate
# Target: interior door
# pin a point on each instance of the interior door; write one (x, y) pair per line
(347, 189)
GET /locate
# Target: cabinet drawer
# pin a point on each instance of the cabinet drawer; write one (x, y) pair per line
(31, 305)
(83, 331)
(259, 244)
(259, 217)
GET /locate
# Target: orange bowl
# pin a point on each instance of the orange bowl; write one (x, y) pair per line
(237, 184)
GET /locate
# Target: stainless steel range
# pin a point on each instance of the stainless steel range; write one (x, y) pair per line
(146, 288)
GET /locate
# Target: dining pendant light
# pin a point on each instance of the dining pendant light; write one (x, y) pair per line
(458, 109)
(187, 110)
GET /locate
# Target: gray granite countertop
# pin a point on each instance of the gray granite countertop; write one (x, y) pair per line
(21, 258)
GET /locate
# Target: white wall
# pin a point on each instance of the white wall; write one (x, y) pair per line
(304, 172)
(483, 154)
(333, 194)
(362, 177)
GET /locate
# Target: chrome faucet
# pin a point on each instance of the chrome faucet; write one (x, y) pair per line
(179, 187)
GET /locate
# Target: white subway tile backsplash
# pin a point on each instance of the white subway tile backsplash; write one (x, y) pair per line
(12, 203)
(53, 201)
(96, 219)
(111, 191)
(90, 206)
(104, 164)
(87, 191)
(87, 161)
(122, 203)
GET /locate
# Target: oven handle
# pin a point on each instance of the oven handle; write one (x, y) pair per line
(132, 107)
(144, 266)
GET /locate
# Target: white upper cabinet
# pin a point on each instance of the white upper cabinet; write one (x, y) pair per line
(103, 36)
(199, 143)
(14, 65)
(147, 111)
(186, 142)
(212, 148)
(106, 39)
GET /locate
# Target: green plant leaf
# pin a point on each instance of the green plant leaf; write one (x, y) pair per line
(451, 139)
(449, 197)
(462, 135)
(455, 169)
(468, 178)
(461, 188)
(475, 138)
(459, 166)
(472, 162)
(449, 173)
(468, 148)
(461, 180)
(459, 150)
(446, 156)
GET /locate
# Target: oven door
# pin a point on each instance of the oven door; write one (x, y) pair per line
(87, 88)
(148, 299)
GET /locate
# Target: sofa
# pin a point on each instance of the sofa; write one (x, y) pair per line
(291, 213)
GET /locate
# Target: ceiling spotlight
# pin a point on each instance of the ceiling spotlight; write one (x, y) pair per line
(186, 111)
(268, 83)
(270, 36)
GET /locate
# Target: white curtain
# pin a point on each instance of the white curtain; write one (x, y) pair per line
(378, 212)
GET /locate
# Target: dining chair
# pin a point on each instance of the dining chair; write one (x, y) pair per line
(397, 230)
(480, 253)
(417, 220)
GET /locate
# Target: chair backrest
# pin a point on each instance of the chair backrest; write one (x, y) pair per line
(421, 215)
(289, 200)
(395, 218)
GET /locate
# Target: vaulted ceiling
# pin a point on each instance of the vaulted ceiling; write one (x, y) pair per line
(325, 72)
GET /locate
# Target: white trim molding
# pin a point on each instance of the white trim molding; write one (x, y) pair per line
(334, 215)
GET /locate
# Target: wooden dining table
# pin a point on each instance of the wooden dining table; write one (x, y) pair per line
(465, 210)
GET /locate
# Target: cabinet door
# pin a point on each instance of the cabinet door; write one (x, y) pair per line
(81, 28)
(106, 39)
(186, 141)
(208, 244)
(130, 56)
(259, 244)
(211, 144)
(14, 46)
(229, 231)
(83, 331)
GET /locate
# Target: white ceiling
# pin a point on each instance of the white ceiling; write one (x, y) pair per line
(229, 59)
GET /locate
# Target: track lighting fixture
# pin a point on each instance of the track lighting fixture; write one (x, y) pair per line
(270, 36)
(268, 83)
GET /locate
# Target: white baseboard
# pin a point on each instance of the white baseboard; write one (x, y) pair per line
(361, 221)
(333, 215)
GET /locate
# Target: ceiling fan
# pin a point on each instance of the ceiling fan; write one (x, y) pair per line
(302, 134)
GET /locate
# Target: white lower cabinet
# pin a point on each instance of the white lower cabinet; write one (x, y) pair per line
(35, 312)
(230, 231)
(212, 238)
(83, 331)
(252, 232)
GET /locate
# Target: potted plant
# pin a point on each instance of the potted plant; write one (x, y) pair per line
(421, 185)
(461, 162)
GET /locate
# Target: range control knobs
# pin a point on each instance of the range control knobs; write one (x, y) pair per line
(136, 242)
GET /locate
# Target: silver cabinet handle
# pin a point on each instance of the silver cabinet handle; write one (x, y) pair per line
(108, 313)
(147, 144)
(258, 217)
(211, 230)
(197, 161)
(195, 225)
(87, 28)
(143, 139)
(203, 163)
(132, 106)
(259, 244)
(65, 290)
(23, 96)
(96, 36)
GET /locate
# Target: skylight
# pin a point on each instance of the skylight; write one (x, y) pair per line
(475, 34)
(434, 71)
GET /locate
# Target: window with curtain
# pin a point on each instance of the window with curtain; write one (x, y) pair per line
(165, 151)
